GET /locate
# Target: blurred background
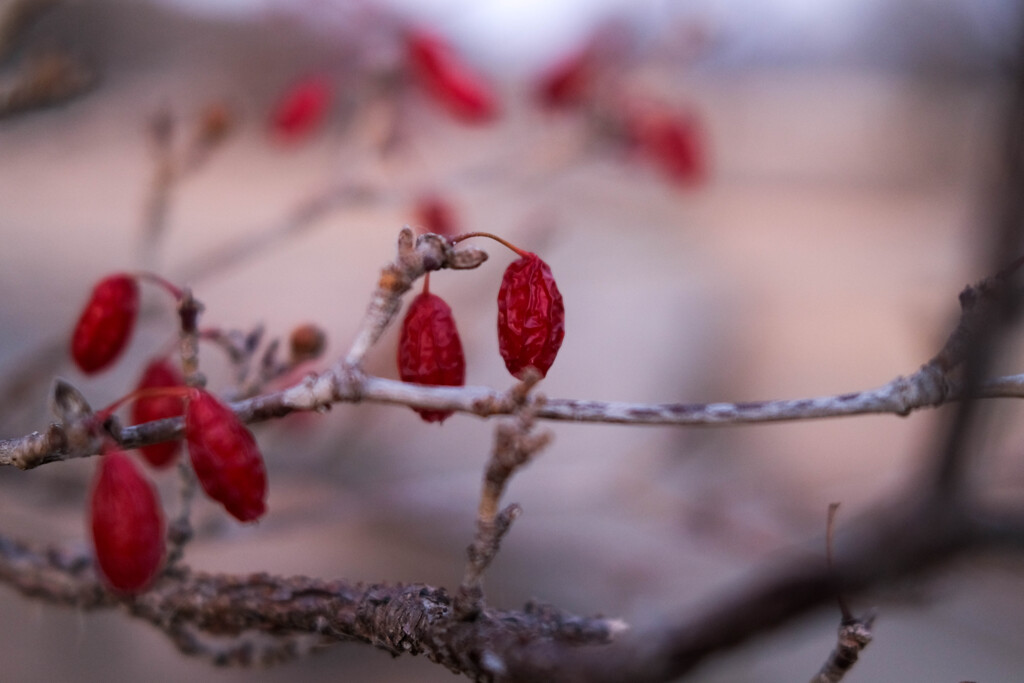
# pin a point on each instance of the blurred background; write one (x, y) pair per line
(739, 201)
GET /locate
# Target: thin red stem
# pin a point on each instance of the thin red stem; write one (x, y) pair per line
(150, 392)
(426, 282)
(171, 288)
(467, 235)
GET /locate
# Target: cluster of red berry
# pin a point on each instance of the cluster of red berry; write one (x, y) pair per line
(127, 522)
(126, 518)
(531, 326)
(671, 139)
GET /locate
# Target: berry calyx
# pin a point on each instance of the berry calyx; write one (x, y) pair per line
(106, 323)
(160, 373)
(225, 457)
(127, 525)
(429, 348)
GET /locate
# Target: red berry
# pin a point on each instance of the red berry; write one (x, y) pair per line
(127, 525)
(436, 215)
(158, 374)
(225, 457)
(449, 80)
(565, 84)
(301, 109)
(531, 316)
(429, 349)
(674, 142)
(106, 324)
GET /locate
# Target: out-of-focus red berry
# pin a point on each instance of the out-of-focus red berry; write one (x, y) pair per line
(673, 141)
(127, 525)
(158, 374)
(301, 109)
(565, 83)
(225, 457)
(106, 323)
(435, 214)
(449, 80)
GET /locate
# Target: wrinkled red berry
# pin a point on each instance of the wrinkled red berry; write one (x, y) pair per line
(436, 215)
(301, 109)
(429, 349)
(449, 80)
(565, 84)
(127, 525)
(531, 316)
(106, 323)
(158, 374)
(225, 457)
(674, 142)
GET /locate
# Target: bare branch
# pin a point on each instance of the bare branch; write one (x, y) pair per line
(537, 643)
(854, 632)
(854, 636)
(514, 447)
(925, 389)
(221, 617)
(884, 549)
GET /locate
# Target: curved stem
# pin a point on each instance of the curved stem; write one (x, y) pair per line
(161, 282)
(467, 235)
(151, 392)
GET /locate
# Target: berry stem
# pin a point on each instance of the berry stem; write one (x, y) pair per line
(166, 285)
(467, 235)
(151, 392)
(426, 282)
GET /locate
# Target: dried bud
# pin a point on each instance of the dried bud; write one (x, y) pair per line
(215, 124)
(306, 343)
